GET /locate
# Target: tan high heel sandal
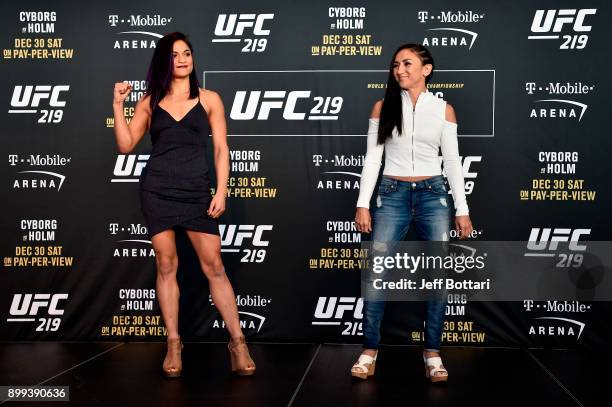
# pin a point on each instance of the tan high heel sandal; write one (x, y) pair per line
(173, 352)
(242, 364)
(364, 367)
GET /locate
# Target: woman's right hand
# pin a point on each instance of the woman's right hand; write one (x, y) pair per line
(122, 90)
(363, 220)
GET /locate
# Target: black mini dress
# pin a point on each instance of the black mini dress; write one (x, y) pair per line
(175, 184)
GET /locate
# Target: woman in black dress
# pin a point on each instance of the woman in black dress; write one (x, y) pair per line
(175, 186)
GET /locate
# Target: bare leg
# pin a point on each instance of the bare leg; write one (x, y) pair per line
(166, 284)
(208, 249)
(167, 291)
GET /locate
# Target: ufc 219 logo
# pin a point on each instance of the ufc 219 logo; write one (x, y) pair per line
(336, 311)
(547, 24)
(544, 242)
(249, 28)
(25, 307)
(28, 99)
(260, 106)
(128, 167)
(468, 172)
(235, 237)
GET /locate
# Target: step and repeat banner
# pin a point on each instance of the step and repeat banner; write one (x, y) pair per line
(528, 82)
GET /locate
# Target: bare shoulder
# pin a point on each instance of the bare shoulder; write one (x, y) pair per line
(450, 113)
(144, 103)
(376, 109)
(210, 95)
(211, 99)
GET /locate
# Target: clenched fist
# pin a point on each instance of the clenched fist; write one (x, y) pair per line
(122, 90)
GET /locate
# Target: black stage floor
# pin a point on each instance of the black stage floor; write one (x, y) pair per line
(129, 374)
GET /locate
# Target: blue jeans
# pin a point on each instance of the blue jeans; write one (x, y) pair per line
(426, 204)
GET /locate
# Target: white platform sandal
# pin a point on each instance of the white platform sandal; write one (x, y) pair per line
(434, 370)
(364, 367)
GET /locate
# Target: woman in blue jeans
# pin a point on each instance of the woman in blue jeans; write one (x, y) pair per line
(410, 125)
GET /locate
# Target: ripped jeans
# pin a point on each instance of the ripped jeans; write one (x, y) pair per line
(427, 205)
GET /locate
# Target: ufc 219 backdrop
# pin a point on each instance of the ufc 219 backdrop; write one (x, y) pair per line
(528, 81)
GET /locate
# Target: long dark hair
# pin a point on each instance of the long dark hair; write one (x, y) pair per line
(391, 112)
(160, 71)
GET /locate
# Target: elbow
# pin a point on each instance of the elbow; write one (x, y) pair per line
(221, 151)
(453, 168)
(451, 160)
(450, 155)
(452, 164)
(124, 149)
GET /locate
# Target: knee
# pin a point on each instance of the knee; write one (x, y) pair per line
(214, 269)
(166, 265)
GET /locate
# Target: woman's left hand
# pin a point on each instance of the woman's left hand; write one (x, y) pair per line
(463, 226)
(217, 206)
